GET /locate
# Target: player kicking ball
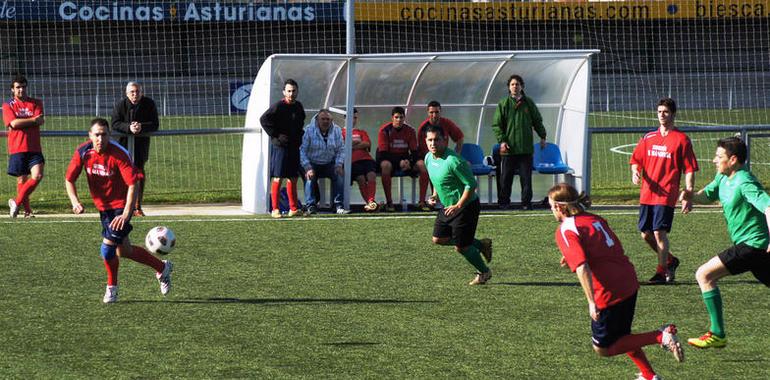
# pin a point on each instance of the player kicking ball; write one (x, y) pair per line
(111, 180)
(592, 250)
(746, 207)
(455, 186)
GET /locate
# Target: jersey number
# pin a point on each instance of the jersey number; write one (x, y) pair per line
(607, 239)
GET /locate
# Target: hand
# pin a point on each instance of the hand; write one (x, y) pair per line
(593, 312)
(451, 210)
(340, 171)
(432, 200)
(563, 262)
(405, 165)
(283, 139)
(635, 178)
(118, 223)
(310, 174)
(136, 127)
(686, 198)
(78, 209)
(542, 143)
(504, 148)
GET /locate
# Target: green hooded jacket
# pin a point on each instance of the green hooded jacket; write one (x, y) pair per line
(513, 124)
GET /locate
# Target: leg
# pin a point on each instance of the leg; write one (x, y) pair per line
(371, 184)
(29, 183)
(525, 178)
(505, 181)
(386, 170)
(275, 189)
(661, 240)
(338, 183)
(140, 183)
(311, 183)
(424, 180)
(707, 276)
(291, 191)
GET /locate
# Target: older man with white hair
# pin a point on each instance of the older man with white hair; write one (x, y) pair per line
(136, 114)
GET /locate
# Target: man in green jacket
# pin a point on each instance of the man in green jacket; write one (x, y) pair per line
(515, 118)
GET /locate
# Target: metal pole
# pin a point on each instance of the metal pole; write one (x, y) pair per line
(351, 97)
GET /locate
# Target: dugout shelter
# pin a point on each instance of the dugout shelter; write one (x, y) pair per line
(467, 84)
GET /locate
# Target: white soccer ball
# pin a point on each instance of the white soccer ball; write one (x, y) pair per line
(160, 240)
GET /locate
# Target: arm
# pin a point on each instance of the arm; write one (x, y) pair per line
(304, 160)
(584, 276)
(267, 120)
(498, 124)
(120, 221)
(120, 120)
(537, 123)
(636, 174)
(687, 193)
(462, 171)
(339, 154)
(767, 218)
(34, 121)
(72, 193)
(459, 146)
(150, 121)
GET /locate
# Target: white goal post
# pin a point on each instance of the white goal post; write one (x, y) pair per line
(467, 84)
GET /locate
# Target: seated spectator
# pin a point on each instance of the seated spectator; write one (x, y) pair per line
(363, 168)
(450, 129)
(396, 150)
(322, 155)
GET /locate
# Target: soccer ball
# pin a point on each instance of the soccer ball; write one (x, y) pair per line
(160, 240)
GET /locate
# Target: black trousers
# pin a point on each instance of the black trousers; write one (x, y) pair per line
(509, 166)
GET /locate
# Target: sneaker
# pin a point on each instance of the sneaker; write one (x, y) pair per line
(14, 208)
(276, 213)
(165, 278)
(671, 267)
(111, 294)
(138, 212)
(390, 208)
(310, 210)
(293, 213)
(423, 207)
(342, 211)
(486, 249)
(658, 279)
(670, 342)
(708, 340)
(481, 278)
(371, 206)
(640, 377)
(28, 215)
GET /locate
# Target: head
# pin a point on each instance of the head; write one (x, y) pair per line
(565, 201)
(666, 112)
(324, 119)
(730, 155)
(19, 86)
(397, 115)
(515, 85)
(435, 140)
(290, 90)
(434, 111)
(99, 134)
(355, 116)
(133, 92)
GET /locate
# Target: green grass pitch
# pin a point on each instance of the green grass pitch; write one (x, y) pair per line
(349, 297)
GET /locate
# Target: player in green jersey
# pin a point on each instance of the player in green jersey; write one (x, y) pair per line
(746, 207)
(455, 187)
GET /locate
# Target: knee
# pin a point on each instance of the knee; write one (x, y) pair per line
(108, 252)
(601, 351)
(646, 235)
(37, 177)
(386, 167)
(371, 177)
(703, 275)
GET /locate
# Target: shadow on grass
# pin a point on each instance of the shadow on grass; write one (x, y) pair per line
(350, 344)
(279, 301)
(642, 283)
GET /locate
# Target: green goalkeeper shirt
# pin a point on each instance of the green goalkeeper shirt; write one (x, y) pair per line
(744, 201)
(451, 176)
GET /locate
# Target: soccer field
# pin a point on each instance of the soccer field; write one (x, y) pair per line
(351, 297)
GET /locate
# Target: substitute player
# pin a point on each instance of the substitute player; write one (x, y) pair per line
(658, 162)
(111, 180)
(746, 207)
(455, 186)
(23, 116)
(592, 250)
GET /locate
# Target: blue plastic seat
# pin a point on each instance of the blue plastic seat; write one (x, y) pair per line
(548, 160)
(475, 155)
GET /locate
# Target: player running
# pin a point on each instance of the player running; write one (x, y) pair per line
(111, 180)
(592, 250)
(455, 186)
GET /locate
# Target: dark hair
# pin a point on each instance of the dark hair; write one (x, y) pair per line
(565, 194)
(734, 146)
(100, 122)
(434, 103)
(355, 110)
(291, 82)
(668, 103)
(430, 128)
(396, 110)
(18, 78)
(518, 79)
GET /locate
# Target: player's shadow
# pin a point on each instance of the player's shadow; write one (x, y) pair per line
(285, 301)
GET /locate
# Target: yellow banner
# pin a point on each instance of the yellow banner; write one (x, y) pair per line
(555, 11)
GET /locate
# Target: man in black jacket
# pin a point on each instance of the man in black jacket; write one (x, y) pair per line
(136, 114)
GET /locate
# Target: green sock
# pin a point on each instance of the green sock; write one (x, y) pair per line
(713, 301)
(474, 257)
(477, 243)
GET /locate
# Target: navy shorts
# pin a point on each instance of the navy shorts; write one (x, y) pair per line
(20, 164)
(655, 218)
(362, 167)
(284, 162)
(461, 226)
(743, 258)
(614, 323)
(110, 234)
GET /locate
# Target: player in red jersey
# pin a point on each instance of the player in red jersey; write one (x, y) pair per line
(450, 129)
(23, 116)
(111, 180)
(396, 150)
(363, 168)
(658, 162)
(592, 250)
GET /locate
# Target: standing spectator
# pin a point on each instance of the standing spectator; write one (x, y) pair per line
(450, 129)
(515, 118)
(363, 168)
(658, 161)
(456, 189)
(23, 116)
(396, 150)
(746, 207)
(283, 122)
(322, 155)
(136, 114)
(592, 251)
(112, 183)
